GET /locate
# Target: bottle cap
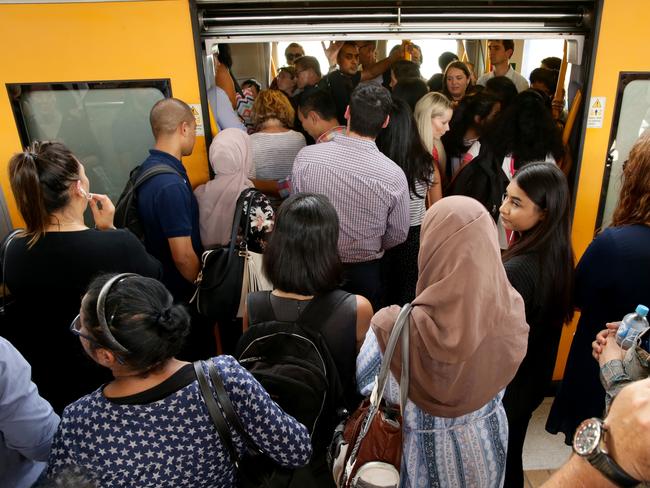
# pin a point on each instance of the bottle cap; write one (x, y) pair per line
(642, 310)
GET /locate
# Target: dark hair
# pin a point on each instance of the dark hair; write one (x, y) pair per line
(253, 82)
(302, 252)
(400, 141)
(410, 90)
(319, 101)
(224, 54)
(445, 58)
(40, 179)
(435, 82)
(369, 107)
(552, 62)
(403, 69)
(507, 44)
(308, 62)
(503, 88)
(526, 130)
(346, 43)
(455, 65)
(474, 105)
(142, 317)
(548, 77)
(546, 185)
(293, 44)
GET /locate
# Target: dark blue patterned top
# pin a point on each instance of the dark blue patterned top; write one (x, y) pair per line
(172, 442)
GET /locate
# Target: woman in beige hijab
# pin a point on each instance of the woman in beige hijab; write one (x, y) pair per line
(468, 335)
(231, 158)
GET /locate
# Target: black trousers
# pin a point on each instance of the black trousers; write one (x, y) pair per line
(365, 279)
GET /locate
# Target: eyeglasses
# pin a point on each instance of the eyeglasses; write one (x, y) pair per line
(293, 55)
(75, 328)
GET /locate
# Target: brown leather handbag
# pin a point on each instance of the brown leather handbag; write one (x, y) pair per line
(367, 447)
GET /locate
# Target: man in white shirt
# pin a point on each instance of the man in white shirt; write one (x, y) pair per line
(500, 54)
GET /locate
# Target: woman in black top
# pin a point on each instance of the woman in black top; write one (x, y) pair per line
(50, 264)
(539, 264)
(302, 262)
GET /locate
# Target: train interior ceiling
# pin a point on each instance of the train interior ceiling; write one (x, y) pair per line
(258, 35)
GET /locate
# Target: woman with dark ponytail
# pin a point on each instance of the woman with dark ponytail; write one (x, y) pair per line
(539, 265)
(150, 426)
(49, 265)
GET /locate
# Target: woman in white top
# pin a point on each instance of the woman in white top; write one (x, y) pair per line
(275, 145)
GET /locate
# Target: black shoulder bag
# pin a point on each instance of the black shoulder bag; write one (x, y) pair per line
(254, 468)
(219, 284)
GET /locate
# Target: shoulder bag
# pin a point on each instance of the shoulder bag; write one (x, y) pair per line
(254, 469)
(367, 447)
(226, 276)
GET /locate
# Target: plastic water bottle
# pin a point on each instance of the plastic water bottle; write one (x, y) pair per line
(631, 326)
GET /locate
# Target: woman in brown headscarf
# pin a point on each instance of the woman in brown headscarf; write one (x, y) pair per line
(468, 335)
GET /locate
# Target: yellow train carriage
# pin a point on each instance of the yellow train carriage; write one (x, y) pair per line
(88, 72)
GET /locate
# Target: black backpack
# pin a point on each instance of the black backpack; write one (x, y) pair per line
(482, 179)
(293, 363)
(126, 208)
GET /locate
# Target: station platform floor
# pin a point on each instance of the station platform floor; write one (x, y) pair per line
(543, 452)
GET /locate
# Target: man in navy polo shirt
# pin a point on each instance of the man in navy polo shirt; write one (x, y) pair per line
(166, 205)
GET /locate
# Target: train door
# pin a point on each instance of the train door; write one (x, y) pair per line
(466, 24)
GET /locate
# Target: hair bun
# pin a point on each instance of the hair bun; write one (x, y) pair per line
(174, 322)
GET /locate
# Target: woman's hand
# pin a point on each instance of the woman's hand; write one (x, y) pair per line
(610, 350)
(103, 216)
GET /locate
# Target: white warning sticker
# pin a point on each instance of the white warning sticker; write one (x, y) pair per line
(596, 112)
(198, 116)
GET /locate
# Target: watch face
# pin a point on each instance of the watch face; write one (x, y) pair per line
(587, 437)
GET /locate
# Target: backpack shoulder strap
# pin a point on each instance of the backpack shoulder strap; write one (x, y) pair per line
(157, 169)
(259, 307)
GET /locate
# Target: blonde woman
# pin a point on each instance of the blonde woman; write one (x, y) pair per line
(432, 115)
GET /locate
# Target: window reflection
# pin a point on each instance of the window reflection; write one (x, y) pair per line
(634, 119)
(106, 125)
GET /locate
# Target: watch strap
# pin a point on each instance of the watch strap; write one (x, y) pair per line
(607, 466)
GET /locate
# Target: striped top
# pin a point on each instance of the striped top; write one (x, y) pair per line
(274, 153)
(417, 207)
(367, 189)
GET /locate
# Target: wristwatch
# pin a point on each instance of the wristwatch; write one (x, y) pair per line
(588, 442)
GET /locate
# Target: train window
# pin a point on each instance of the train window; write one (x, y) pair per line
(631, 119)
(106, 124)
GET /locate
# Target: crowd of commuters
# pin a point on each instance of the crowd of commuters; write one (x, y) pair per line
(365, 186)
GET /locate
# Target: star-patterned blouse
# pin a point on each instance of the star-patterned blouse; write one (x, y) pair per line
(171, 441)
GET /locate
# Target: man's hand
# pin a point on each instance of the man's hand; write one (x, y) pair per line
(332, 51)
(628, 429)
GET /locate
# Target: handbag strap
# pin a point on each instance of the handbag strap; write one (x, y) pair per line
(229, 411)
(382, 378)
(215, 412)
(3, 251)
(381, 381)
(237, 219)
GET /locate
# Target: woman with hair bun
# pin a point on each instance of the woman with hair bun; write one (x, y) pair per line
(49, 265)
(150, 426)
